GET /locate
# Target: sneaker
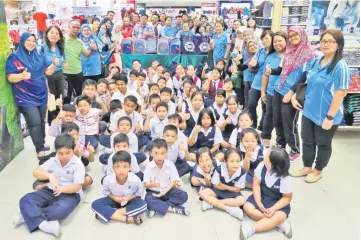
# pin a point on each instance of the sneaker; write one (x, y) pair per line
(108, 150)
(19, 219)
(246, 231)
(235, 212)
(151, 213)
(181, 210)
(206, 206)
(285, 228)
(46, 147)
(294, 156)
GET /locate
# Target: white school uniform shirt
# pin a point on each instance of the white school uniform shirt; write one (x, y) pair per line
(233, 137)
(232, 94)
(55, 130)
(144, 91)
(134, 164)
(90, 121)
(220, 110)
(134, 116)
(133, 141)
(173, 152)
(156, 127)
(184, 105)
(155, 78)
(254, 156)
(171, 107)
(198, 83)
(270, 179)
(132, 85)
(132, 186)
(118, 95)
(240, 183)
(183, 138)
(218, 138)
(72, 173)
(164, 176)
(177, 83)
(233, 117)
(201, 172)
(194, 114)
(143, 71)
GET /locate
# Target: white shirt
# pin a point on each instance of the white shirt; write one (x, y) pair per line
(233, 117)
(285, 183)
(156, 127)
(90, 121)
(155, 78)
(143, 71)
(72, 173)
(144, 91)
(173, 152)
(134, 164)
(220, 110)
(200, 171)
(118, 95)
(218, 138)
(132, 85)
(177, 83)
(254, 156)
(135, 117)
(133, 141)
(171, 107)
(164, 176)
(132, 186)
(183, 138)
(240, 183)
(233, 137)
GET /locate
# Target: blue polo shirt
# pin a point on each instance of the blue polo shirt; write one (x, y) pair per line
(260, 56)
(321, 87)
(189, 33)
(247, 75)
(49, 56)
(220, 46)
(168, 31)
(274, 61)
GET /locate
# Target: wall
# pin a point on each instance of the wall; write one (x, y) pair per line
(11, 142)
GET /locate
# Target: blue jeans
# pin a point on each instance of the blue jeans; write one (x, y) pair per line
(93, 139)
(35, 119)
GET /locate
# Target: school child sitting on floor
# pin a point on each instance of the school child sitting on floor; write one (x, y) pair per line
(176, 120)
(244, 122)
(269, 205)
(191, 71)
(142, 88)
(66, 115)
(153, 89)
(162, 183)
(133, 80)
(177, 79)
(156, 121)
(121, 143)
(228, 180)
(177, 152)
(219, 107)
(205, 134)
(184, 100)
(102, 91)
(191, 118)
(166, 96)
(123, 192)
(44, 208)
(90, 90)
(146, 109)
(121, 81)
(229, 120)
(203, 171)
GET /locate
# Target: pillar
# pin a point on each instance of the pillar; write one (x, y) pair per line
(11, 141)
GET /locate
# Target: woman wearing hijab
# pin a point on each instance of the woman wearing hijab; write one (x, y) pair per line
(91, 65)
(117, 36)
(105, 45)
(25, 70)
(285, 117)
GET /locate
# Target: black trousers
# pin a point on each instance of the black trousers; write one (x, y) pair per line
(247, 87)
(240, 95)
(285, 119)
(95, 77)
(268, 119)
(75, 83)
(254, 96)
(56, 84)
(314, 136)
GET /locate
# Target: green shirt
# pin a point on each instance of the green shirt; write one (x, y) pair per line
(237, 79)
(73, 50)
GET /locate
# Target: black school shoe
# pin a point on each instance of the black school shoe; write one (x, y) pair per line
(46, 158)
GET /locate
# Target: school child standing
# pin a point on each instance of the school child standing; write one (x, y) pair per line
(269, 205)
(162, 183)
(123, 191)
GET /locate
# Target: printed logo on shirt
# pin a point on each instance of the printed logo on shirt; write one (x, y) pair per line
(19, 66)
(276, 186)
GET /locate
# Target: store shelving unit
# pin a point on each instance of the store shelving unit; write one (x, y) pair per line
(294, 13)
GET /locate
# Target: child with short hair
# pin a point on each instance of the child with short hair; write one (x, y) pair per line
(154, 89)
(142, 88)
(165, 96)
(228, 87)
(61, 195)
(154, 100)
(102, 90)
(162, 83)
(177, 79)
(121, 143)
(269, 205)
(133, 80)
(244, 122)
(66, 115)
(177, 152)
(184, 100)
(121, 81)
(228, 181)
(210, 87)
(90, 90)
(191, 71)
(123, 191)
(89, 117)
(229, 120)
(176, 120)
(156, 121)
(219, 107)
(168, 79)
(162, 181)
(112, 87)
(204, 169)
(159, 73)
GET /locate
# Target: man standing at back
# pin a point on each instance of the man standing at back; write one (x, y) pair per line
(143, 30)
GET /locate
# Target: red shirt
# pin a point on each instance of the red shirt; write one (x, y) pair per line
(40, 18)
(128, 31)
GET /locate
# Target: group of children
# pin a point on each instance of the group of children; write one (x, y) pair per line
(170, 129)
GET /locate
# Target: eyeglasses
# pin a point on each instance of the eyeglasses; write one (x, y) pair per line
(328, 42)
(292, 36)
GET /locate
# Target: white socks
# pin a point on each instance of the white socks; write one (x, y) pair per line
(235, 212)
(51, 227)
(19, 219)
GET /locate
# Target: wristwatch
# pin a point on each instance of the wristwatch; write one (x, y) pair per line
(329, 117)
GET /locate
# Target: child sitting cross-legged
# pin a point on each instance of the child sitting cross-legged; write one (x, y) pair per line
(44, 208)
(162, 183)
(123, 191)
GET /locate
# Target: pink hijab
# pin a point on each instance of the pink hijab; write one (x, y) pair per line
(296, 56)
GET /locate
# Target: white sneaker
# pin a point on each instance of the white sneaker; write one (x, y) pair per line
(206, 206)
(151, 213)
(19, 219)
(246, 231)
(285, 228)
(108, 150)
(236, 212)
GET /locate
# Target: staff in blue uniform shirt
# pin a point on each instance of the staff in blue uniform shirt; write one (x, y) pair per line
(186, 31)
(327, 84)
(91, 65)
(25, 70)
(221, 43)
(257, 65)
(168, 31)
(269, 82)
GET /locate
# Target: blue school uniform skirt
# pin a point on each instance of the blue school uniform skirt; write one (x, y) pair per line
(268, 202)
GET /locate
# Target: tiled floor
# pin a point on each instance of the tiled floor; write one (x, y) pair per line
(328, 209)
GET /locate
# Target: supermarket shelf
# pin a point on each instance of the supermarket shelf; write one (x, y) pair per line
(345, 127)
(354, 66)
(295, 5)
